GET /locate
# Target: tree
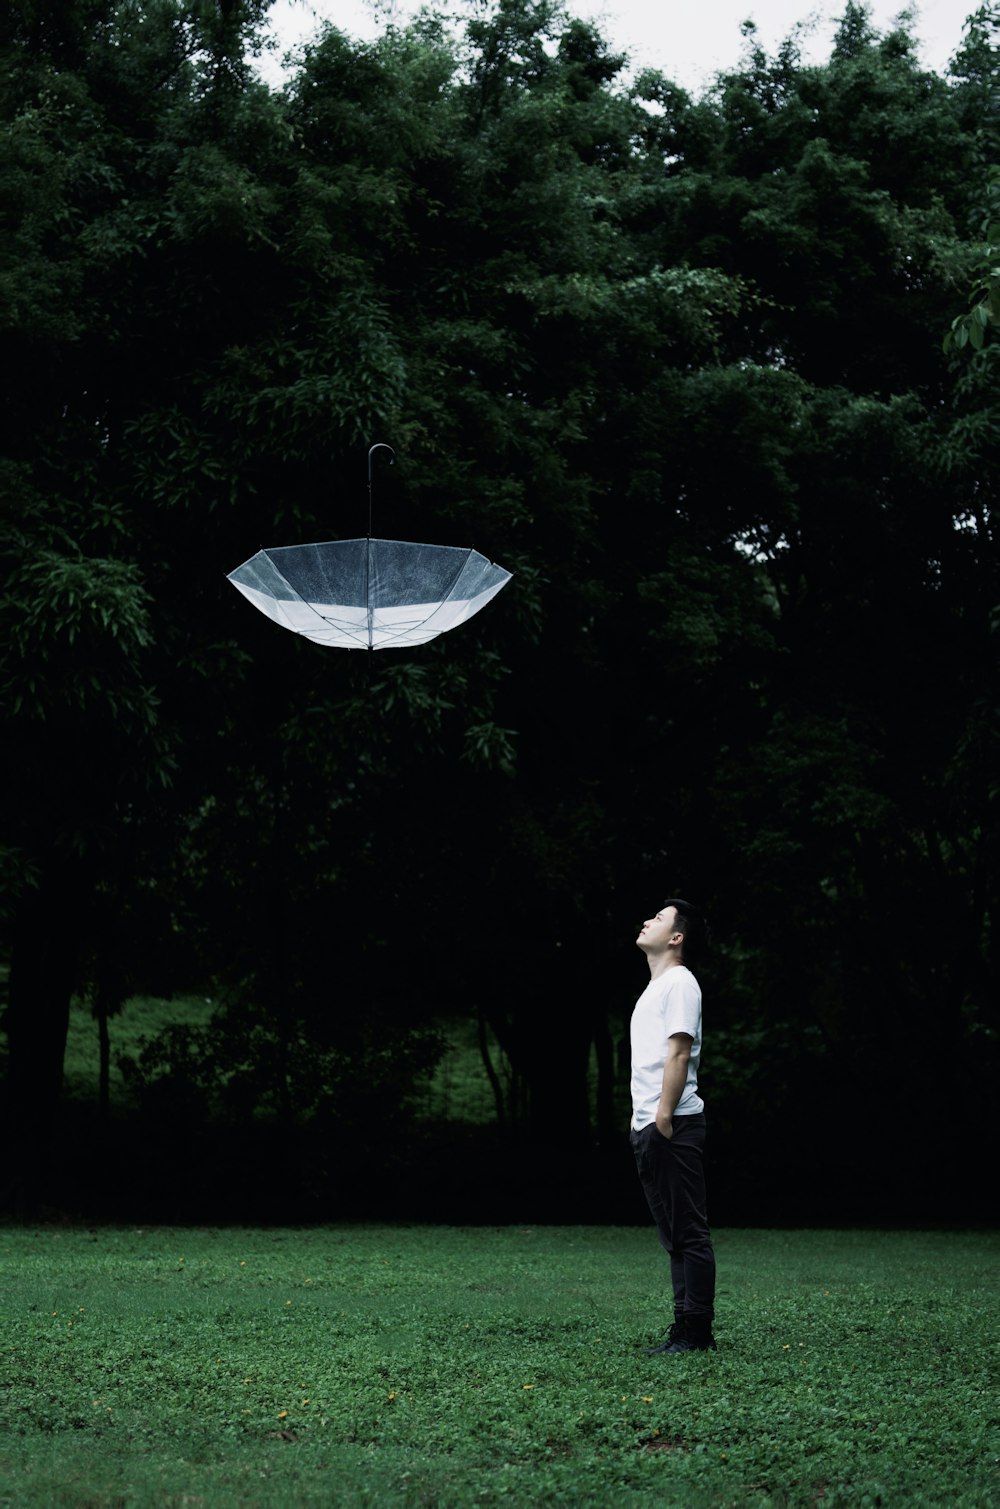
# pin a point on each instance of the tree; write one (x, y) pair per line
(96, 101)
(826, 190)
(679, 368)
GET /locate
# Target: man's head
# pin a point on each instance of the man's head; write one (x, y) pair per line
(677, 929)
(690, 923)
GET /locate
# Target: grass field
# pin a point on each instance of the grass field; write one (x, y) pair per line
(450, 1366)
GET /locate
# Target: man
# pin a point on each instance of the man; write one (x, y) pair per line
(668, 1120)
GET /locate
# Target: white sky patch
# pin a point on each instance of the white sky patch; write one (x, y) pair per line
(751, 544)
(689, 42)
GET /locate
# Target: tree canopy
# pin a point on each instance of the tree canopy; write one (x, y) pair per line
(714, 377)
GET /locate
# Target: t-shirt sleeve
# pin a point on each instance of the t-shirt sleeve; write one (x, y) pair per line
(683, 1007)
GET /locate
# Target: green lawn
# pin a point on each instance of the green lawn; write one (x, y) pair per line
(449, 1366)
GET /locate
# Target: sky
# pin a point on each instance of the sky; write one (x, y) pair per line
(689, 40)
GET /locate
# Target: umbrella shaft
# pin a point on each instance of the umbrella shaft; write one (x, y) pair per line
(368, 593)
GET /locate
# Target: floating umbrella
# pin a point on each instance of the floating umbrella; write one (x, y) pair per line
(369, 594)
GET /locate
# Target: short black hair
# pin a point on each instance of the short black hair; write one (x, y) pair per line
(691, 922)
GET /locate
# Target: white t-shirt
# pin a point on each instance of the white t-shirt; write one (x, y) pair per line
(670, 1003)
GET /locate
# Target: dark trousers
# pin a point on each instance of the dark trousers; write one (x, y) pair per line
(672, 1174)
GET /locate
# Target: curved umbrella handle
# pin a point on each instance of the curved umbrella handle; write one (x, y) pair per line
(380, 446)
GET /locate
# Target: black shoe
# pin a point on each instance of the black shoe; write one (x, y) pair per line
(686, 1344)
(674, 1335)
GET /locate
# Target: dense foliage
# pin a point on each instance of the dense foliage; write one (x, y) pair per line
(678, 364)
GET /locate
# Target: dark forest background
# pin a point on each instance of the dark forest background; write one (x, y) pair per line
(716, 378)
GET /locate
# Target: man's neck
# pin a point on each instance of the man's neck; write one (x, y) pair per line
(660, 963)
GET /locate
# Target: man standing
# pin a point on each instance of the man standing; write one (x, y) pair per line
(668, 1120)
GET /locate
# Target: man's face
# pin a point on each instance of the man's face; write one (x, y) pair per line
(656, 933)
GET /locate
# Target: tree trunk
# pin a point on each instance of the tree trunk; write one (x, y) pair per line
(491, 1073)
(43, 976)
(605, 1051)
(104, 1043)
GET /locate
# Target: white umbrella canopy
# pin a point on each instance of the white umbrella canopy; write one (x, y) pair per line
(369, 594)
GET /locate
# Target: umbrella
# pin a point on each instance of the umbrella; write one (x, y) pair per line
(369, 594)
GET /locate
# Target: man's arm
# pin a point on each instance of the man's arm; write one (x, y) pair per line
(675, 1070)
